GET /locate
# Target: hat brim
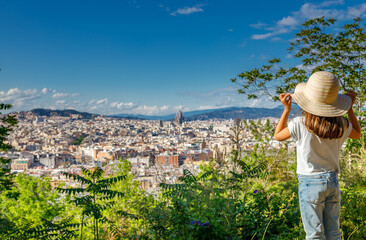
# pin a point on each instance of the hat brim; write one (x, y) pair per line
(338, 108)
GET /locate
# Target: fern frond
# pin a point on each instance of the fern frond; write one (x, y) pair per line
(77, 177)
(205, 175)
(97, 173)
(84, 200)
(187, 177)
(127, 215)
(172, 187)
(71, 191)
(109, 181)
(110, 193)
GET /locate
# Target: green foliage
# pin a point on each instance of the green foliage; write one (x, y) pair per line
(130, 213)
(35, 212)
(353, 213)
(194, 200)
(319, 46)
(353, 180)
(61, 229)
(93, 196)
(6, 178)
(8, 122)
(79, 140)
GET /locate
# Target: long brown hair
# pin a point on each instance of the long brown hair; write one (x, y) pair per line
(326, 127)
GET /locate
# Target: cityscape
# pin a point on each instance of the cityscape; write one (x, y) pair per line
(158, 150)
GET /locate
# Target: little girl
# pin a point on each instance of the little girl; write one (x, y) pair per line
(319, 136)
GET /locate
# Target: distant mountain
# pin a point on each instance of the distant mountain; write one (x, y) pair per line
(62, 113)
(240, 112)
(222, 113)
(169, 117)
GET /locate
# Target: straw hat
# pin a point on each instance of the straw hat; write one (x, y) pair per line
(319, 96)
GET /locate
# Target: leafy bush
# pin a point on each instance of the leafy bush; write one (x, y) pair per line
(353, 213)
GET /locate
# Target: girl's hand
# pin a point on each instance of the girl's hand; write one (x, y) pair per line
(352, 95)
(286, 100)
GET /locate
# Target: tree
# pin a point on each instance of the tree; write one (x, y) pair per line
(318, 46)
(35, 201)
(92, 195)
(7, 124)
(37, 211)
(6, 178)
(130, 213)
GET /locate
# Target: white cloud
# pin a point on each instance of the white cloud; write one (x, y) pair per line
(164, 108)
(60, 102)
(262, 102)
(60, 95)
(18, 97)
(98, 106)
(153, 110)
(288, 21)
(258, 25)
(23, 100)
(27, 99)
(329, 3)
(262, 36)
(123, 105)
(188, 10)
(102, 101)
(116, 107)
(64, 95)
(209, 107)
(46, 98)
(46, 90)
(307, 11)
(359, 11)
(134, 108)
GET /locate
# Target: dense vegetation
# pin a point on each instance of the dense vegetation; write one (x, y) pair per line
(79, 140)
(251, 195)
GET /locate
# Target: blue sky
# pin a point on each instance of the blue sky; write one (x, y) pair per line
(147, 57)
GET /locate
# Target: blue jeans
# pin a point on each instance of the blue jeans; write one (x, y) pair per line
(320, 205)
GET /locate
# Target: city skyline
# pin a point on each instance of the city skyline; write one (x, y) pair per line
(144, 57)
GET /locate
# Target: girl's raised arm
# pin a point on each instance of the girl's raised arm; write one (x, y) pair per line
(356, 130)
(282, 133)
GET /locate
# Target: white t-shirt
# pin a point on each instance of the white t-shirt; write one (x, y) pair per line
(314, 154)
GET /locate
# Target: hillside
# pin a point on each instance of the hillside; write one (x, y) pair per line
(62, 113)
(223, 113)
